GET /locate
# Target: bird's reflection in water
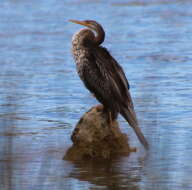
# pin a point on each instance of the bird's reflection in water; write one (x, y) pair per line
(117, 174)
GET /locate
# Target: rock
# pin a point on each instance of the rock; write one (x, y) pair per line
(93, 138)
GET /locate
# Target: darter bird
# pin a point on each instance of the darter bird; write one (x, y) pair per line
(102, 75)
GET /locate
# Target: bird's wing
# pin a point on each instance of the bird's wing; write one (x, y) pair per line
(119, 86)
(113, 73)
(97, 81)
(106, 78)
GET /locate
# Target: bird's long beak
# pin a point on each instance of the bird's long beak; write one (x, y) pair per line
(84, 23)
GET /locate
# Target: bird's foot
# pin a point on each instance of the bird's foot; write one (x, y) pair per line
(111, 124)
(99, 107)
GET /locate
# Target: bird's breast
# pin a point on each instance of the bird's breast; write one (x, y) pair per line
(81, 59)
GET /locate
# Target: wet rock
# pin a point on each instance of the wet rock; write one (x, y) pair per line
(94, 138)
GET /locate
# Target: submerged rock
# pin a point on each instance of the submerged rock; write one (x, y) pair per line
(94, 138)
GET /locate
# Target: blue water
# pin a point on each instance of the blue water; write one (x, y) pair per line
(42, 98)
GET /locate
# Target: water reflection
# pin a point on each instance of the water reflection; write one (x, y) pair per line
(109, 174)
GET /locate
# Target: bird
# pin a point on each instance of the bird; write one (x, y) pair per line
(102, 75)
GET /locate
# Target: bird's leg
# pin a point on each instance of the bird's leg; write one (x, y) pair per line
(109, 117)
(110, 120)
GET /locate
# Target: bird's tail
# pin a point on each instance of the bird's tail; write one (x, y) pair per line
(129, 114)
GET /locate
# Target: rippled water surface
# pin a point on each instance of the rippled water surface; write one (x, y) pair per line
(42, 98)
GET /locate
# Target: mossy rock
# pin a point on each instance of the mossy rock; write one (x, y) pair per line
(94, 138)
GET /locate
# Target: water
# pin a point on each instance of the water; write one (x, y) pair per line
(42, 98)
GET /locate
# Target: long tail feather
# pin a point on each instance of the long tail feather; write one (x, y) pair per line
(129, 114)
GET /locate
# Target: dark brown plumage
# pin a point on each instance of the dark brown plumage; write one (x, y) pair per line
(102, 75)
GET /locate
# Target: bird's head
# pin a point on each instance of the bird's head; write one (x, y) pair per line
(95, 27)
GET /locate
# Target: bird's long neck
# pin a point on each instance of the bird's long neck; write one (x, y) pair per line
(100, 35)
